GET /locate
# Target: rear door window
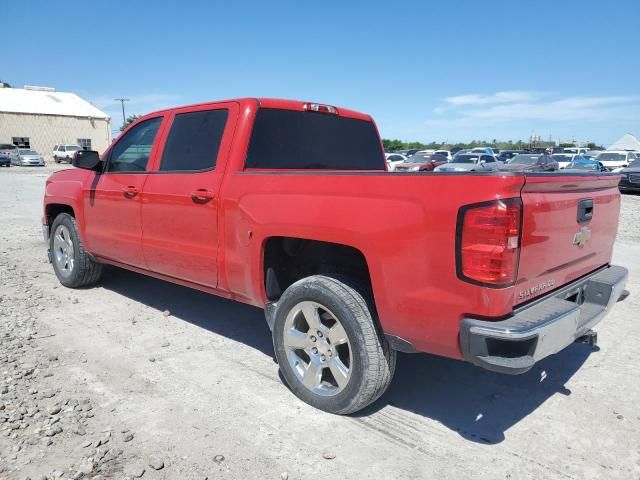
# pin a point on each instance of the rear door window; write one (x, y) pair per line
(194, 141)
(286, 139)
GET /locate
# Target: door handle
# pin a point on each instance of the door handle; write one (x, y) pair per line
(202, 195)
(130, 191)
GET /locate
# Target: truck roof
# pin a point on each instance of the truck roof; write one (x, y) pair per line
(262, 102)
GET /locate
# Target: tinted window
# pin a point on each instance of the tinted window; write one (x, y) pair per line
(298, 140)
(488, 158)
(131, 153)
(194, 141)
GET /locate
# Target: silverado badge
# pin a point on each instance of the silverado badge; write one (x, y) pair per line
(582, 237)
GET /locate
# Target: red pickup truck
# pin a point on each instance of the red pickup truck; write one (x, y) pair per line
(286, 205)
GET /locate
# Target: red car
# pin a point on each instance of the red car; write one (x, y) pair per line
(287, 206)
(421, 162)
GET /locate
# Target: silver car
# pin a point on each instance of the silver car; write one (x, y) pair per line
(28, 157)
(471, 162)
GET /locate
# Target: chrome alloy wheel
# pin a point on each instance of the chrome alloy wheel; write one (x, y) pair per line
(317, 348)
(63, 251)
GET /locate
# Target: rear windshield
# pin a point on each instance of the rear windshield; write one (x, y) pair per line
(612, 157)
(465, 158)
(310, 140)
(524, 159)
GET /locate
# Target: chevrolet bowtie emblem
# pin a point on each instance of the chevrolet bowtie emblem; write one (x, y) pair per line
(582, 237)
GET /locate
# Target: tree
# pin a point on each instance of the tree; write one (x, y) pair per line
(4, 84)
(130, 119)
(594, 146)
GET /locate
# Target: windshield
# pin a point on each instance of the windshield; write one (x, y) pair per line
(612, 157)
(524, 160)
(466, 158)
(583, 165)
(24, 151)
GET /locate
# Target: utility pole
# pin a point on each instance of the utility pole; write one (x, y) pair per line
(122, 100)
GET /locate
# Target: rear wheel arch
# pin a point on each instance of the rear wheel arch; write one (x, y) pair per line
(285, 260)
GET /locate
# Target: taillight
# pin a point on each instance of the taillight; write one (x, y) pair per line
(316, 107)
(488, 242)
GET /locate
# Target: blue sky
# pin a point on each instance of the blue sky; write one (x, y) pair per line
(454, 70)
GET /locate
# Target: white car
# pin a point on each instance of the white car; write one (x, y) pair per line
(614, 159)
(565, 159)
(446, 153)
(489, 150)
(394, 159)
(65, 153)
(576, 150)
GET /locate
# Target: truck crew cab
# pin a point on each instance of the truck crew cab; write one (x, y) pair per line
(288, 206)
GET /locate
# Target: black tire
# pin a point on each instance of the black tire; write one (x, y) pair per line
(57, 160)
(372, 362)
(86, 271)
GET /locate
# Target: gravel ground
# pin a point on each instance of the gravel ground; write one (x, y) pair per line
(140, 378)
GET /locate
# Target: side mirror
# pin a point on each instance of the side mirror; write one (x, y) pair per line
(87, 159)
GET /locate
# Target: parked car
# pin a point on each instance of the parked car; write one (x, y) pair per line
(9, 150)
(584, 165)
(489, 150)
(394, 159)
(630, 181)
(27, 157)
(592, 154)
(613, 159)
(505, 155)
(565, 159)
(349, 268)
(471, 162)
(5, 159)
(531, 163)
(460, 152)
(446, 153)
(421, 162)
(576, 150)
(65, 153)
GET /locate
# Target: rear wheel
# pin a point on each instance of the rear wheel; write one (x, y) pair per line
(71, 263)
(329, 350)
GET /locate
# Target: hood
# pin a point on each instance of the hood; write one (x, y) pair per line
(409, 165)
(459, 167)
(518, 167)
(630, 170)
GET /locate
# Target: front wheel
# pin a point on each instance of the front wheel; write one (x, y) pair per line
(329, 349)
(73, 266)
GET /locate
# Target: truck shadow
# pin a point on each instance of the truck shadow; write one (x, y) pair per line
(478, 404)
(234, 320)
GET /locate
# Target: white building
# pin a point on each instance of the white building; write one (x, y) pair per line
(40, 118)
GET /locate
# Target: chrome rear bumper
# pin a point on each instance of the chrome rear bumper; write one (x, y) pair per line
(543, 327)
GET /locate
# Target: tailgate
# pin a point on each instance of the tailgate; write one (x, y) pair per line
(560, 240)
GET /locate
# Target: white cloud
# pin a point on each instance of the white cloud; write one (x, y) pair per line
(513, 96)
(522, 105)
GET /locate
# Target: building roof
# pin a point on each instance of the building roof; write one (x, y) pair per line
(47, 102)
(625, 142)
